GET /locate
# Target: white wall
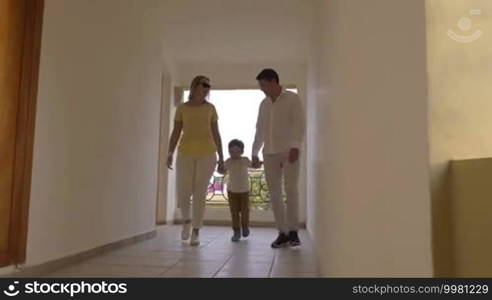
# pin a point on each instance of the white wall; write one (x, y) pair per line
(371, 203)
(97, 130)
(235, 30)
(312, 88)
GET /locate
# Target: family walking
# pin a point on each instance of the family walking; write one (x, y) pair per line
(279, 132)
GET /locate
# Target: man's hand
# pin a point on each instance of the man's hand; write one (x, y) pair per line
(256, 164)
(293, 155)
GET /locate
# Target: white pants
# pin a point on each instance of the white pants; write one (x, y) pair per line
(276, 167)
(192, 180)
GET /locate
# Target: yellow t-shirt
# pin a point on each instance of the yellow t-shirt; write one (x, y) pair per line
(197, 139)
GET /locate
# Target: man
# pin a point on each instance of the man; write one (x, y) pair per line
(280, 131)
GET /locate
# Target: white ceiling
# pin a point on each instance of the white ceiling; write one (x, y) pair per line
(236, 30)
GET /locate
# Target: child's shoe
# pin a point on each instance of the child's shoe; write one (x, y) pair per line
(195, 239)
(237, 236)
(245, 232)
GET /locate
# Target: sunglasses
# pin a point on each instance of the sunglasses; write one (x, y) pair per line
(205, 85)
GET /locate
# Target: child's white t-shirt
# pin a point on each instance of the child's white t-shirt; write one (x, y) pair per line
(237, 170)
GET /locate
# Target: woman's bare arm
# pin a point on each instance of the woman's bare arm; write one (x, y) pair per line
(173, 142)
(217, 140)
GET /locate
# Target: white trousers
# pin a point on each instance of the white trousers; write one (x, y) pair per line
(277, 167)
(192, 180)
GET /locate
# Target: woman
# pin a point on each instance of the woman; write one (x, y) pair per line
(196, 159)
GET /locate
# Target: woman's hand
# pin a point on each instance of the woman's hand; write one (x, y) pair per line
(170, 161)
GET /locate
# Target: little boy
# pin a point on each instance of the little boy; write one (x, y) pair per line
(238, 188)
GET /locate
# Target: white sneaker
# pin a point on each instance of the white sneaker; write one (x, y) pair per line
(185, 234)
(195, 239)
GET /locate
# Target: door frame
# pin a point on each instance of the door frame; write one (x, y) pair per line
(24, 143)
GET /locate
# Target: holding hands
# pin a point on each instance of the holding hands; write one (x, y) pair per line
(221, 167)
(256, 163)
(293, 155)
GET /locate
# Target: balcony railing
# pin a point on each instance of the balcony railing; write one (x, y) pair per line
(259, 197)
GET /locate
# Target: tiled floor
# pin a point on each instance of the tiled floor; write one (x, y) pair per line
(217, 256)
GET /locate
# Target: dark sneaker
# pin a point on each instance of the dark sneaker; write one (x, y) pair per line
(294, 239)
(237, 236)
(281, 241)
(245, 232)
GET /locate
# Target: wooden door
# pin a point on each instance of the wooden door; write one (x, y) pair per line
(20, 32)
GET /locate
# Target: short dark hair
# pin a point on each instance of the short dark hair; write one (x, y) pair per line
(237, 143)
(268, 74)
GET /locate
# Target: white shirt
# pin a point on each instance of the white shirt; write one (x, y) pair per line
(280, 125)
(237, 169)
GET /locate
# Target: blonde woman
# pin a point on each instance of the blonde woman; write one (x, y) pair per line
(197, 155)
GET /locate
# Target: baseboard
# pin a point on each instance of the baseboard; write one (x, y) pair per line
(51, 266)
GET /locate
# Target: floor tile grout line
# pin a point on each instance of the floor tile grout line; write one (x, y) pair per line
(127, 265)
(87, 263)
(223, 265)
(271, 266)
(170, 268)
